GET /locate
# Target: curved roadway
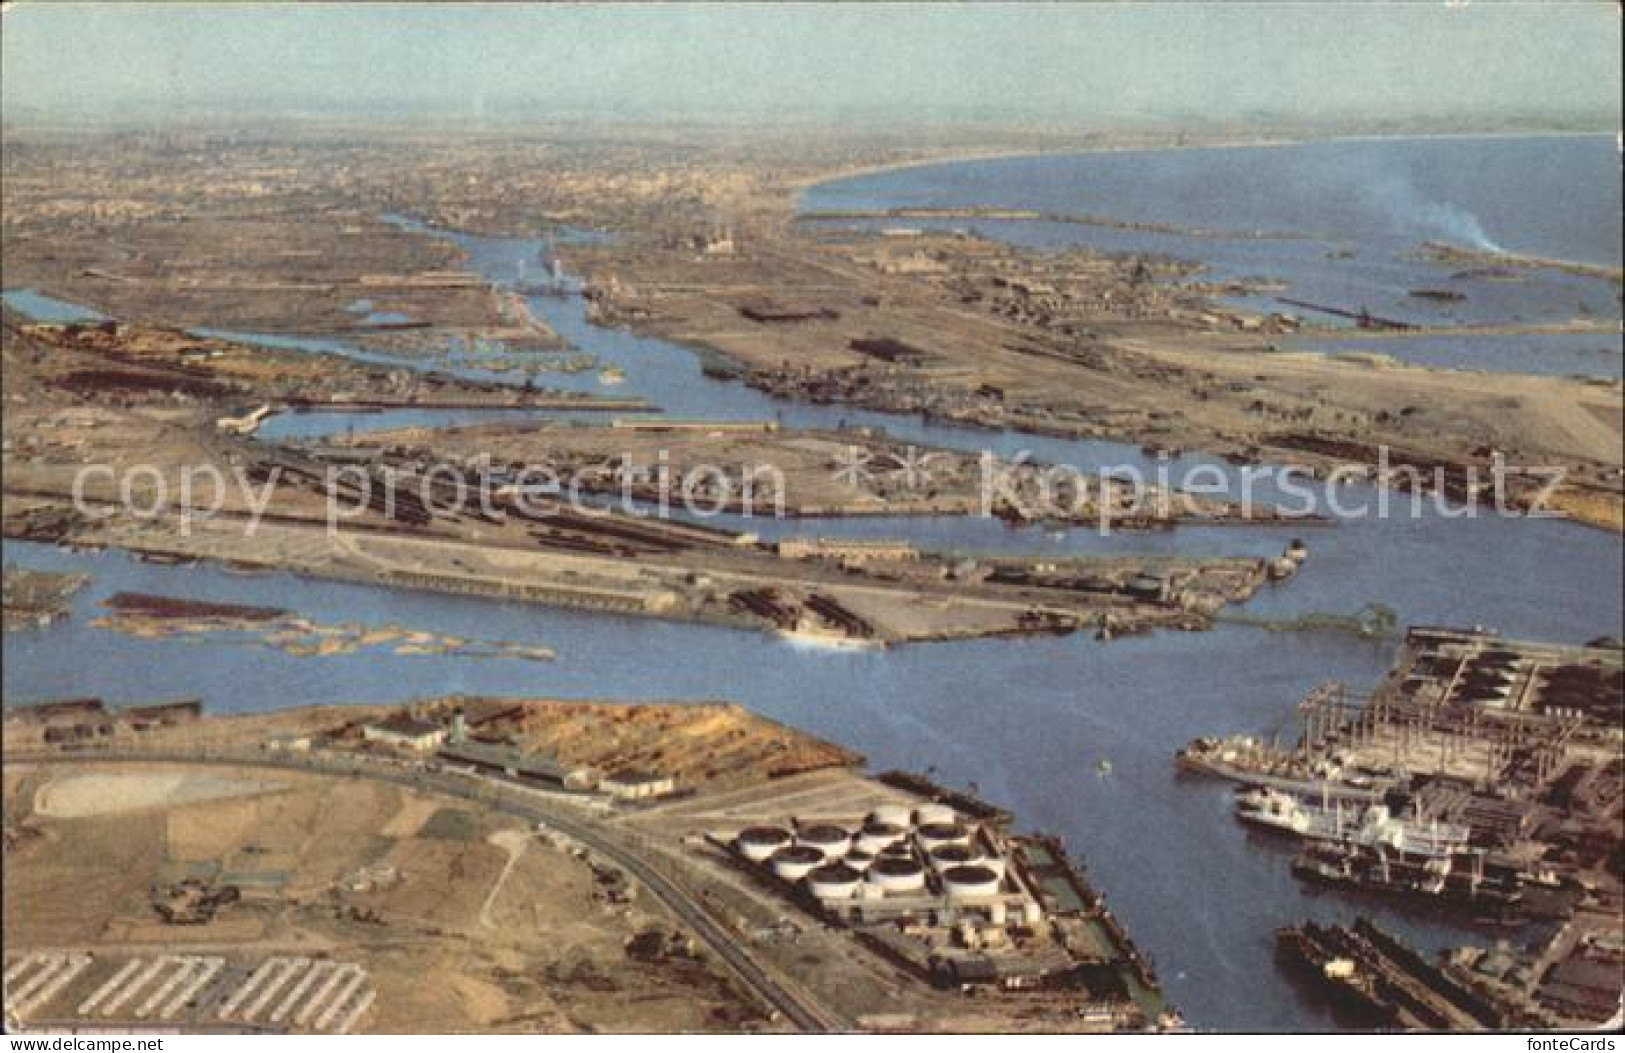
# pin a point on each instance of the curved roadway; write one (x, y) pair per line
(795, 1007)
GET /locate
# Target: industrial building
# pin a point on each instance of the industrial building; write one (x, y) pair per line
(637, 784)
(925, 876)
(521, 767)
(405, 732)
(83, 720)
(849, 550)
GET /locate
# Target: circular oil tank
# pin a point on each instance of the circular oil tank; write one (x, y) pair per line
(934, 813)
(877, 835)
(859, 860)
(896, 875)
(827, 838)
(796, 862)
(833, 881)
(756, 843)
(945, 856)
(970, 880)
(935, 835)
(892, 815)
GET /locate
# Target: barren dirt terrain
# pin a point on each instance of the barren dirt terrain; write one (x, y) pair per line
(473, 923)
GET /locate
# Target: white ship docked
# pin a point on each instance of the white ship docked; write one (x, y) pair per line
(1372, 825)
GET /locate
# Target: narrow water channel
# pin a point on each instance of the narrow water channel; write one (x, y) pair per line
(1027, 722)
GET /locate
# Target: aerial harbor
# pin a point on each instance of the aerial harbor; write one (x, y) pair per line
(921, 519)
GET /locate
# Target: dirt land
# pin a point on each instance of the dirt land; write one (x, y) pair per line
(1076, 345)
(462, 921)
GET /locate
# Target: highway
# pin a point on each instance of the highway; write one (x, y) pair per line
(495, 794)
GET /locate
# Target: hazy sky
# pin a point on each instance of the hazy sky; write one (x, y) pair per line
(1070, 61)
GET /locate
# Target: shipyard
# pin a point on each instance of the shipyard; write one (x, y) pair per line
(1483, 774)
(927, 520)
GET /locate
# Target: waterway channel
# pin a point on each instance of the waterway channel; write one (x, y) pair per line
(1028, 723)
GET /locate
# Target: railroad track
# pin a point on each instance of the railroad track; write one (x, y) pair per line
(795, 1007)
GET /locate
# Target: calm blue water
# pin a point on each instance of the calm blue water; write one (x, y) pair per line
(1352, 213)
(44, 308)
(1554, 354)
(1026, 720)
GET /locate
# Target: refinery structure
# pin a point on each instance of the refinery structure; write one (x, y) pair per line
(957, 898)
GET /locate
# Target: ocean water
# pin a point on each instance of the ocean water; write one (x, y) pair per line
(1026, 721)
(1340, 222)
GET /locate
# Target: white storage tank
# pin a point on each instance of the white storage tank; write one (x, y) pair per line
(829, 839)
(796, 862)
(969, 881)
(876, 836)
(833, 881)
(896, 875)
(892, 815)
(757, 843)
(944, 856)
(934, 813)
(935, 835)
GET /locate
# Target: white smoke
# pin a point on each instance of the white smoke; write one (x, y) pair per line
(1453, 223)
(1410, 211)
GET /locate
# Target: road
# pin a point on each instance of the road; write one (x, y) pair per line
(570, 822)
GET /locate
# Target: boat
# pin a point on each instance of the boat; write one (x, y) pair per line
(1317, 953)
(1460, 875)
(825, 640)
(1243, 759)
(1281, 812)
(612, 375)
(1444, 295)
(1353, 822)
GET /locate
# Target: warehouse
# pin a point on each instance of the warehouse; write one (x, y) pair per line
(404, 732)
(522, 767)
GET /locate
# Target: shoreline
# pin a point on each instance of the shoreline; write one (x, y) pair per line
(1240, 143)
(800, 186)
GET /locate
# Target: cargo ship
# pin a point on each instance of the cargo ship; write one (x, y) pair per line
(1314, 951)
(1342, 820)
(1463, 876)
(1384, 983)
(1243, 759)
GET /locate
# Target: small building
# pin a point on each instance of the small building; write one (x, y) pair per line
(909, 263)
(849, 550)
(405, 732)
(771, 312)
(635, 784)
